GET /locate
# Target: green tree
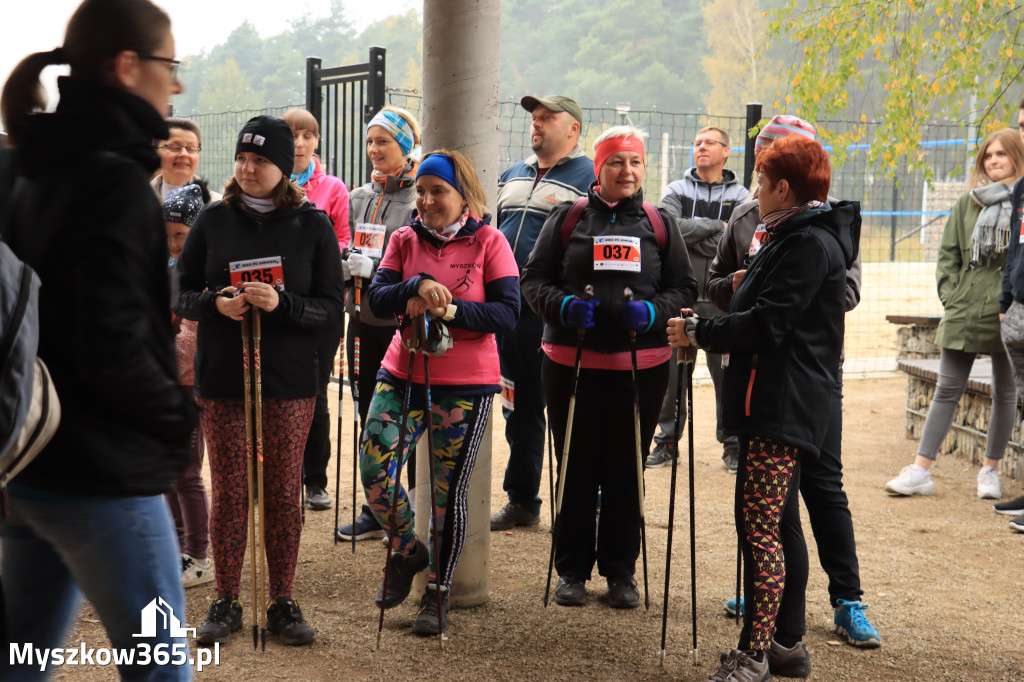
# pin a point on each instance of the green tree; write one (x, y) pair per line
(227, 88)
(736, 63)
(929, 60)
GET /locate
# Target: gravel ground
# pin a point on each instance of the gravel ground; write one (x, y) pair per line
(942, 576)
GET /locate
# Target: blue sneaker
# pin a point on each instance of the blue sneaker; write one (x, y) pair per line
(730, 607)
(851, 622)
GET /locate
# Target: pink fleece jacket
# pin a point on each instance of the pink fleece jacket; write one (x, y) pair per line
(330, 194)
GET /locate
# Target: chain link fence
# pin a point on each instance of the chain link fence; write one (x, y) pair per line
(903, 218)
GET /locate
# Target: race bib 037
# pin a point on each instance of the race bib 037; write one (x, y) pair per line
(617, 253)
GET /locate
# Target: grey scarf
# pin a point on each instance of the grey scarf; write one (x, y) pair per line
(991, 235)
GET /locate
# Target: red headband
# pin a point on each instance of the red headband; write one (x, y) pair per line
(605, 148)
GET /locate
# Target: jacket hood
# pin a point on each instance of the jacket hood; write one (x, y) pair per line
(841, 219)
(393, 183)
(728, 178)
(91, 118)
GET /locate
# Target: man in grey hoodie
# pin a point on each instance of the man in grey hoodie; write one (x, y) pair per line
(701, 203)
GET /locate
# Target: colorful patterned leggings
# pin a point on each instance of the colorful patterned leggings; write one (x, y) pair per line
(763, 487)
(458, 427)
(285, 427)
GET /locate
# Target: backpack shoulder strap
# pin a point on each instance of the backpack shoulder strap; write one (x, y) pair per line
(571, 218)
(658, 223)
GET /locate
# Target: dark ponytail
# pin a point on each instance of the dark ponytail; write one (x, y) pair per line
(97, 32)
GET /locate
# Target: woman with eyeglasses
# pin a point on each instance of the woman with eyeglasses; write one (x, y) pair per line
(87, 517)
(179, 158)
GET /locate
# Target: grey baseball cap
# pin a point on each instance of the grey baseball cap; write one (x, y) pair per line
(554, 103)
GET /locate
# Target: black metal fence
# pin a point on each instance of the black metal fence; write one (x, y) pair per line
(903, 218)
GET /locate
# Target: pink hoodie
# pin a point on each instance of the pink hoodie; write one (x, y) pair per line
(330, 194)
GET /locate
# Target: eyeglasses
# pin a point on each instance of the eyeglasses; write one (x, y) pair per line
(173, 63)
(177, 148)
(707, 143)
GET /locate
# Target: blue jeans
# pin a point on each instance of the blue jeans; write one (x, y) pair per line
(121, 553)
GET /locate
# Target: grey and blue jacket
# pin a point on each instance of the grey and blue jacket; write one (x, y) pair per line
(524, 203)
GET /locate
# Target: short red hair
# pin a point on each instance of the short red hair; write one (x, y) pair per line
(799, 161)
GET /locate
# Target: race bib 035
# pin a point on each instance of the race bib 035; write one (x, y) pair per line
(267, 270)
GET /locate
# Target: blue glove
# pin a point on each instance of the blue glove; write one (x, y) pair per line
(636, 314)
(579, 313)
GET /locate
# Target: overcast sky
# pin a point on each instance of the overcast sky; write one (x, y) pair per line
(37, 25)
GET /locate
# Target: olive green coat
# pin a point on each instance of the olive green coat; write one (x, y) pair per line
(969, 295)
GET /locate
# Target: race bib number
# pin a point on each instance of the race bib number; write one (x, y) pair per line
(266, 270)
(369, 239)
(617, 253)
(756, 240)
(508, 394)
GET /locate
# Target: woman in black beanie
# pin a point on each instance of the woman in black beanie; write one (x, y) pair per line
(263, 216)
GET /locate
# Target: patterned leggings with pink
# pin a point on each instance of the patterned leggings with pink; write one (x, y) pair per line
(285, 427)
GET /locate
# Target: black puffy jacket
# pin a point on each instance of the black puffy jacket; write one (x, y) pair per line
(85, 218)
(312, 298)
(554, 271)
(784, 334)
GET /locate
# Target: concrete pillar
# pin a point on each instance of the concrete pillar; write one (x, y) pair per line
(460, 112)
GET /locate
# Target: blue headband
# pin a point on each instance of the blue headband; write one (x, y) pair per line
(396, 126)
(442, 167)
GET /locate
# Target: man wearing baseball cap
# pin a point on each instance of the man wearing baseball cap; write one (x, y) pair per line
(821, 478)
(558, 171)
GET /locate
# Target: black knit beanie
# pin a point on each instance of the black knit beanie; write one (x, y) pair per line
(269, 137)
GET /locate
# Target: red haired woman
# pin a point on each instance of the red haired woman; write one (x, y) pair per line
(784, 336)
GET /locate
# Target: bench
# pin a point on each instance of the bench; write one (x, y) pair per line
(915, 337)
(968, 436)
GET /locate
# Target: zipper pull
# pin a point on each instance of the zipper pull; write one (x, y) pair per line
(613, 217)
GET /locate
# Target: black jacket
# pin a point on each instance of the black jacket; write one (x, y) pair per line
(86, 220)
(312, 298)
(785, 332)
(554, 272)
(1013, 275)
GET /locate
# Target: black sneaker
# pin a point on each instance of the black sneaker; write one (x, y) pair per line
(403, 570)
(224, 617)
(622, 593)
(284, 619)
(1017, 524)
(426, 622)
(513, 514)
(366, 527)
(570, 591)
(316, 498)
(1011, 508)
(792, 662)
(661, 456)
(731, 459)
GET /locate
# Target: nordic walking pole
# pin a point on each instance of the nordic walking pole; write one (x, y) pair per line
(588, 292)
(337, 440)
(551, 476)
(247, 399)
(691, 363)
(628, 293)
(672, 503)
(261, 548)
(357, 422)
(429, 416)
(393, 523)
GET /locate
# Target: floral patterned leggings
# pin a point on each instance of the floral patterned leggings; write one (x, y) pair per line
(285, 427)
(762, 488)
(458, 427)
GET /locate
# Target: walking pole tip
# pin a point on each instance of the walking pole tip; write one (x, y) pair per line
(255, 637)
(263, 639)
(661, 658)
(696, 657)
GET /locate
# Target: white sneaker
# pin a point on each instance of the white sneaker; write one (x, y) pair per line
(988, 484)
(911, 481)
(196, 571)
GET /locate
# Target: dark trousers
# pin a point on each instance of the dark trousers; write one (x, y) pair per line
(821, 486)
(602, 457)
(373, 345)
(520, 354)
(318, 445)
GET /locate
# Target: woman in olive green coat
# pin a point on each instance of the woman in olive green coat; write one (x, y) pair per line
(970, 277)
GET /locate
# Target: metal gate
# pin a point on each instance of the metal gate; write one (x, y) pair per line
(343, 99)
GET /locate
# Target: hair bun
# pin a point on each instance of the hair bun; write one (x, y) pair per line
(58, 55)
